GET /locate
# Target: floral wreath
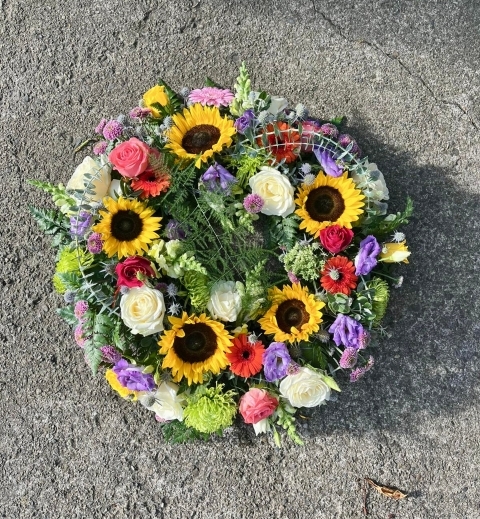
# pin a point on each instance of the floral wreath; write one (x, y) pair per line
(224, 253)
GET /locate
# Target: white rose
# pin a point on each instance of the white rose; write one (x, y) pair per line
(261, 427)
(225, 301)
(306, 388)
(142, 310)
(275, 190)
(100, 171)
(165, 402)
(277, 105)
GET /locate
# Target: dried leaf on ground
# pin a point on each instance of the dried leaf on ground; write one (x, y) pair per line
(391, 492)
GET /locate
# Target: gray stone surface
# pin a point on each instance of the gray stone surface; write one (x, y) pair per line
(406, 74)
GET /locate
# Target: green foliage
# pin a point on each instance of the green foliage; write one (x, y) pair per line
(381, 295)
(339, 303)
(312, 352)
(303, 261)
(285, 418)
(99, 331)
(178, 432)
(197, 286)
(382, 226)
(68, 315)
(248, 161)
(175, 102)
(283, 231)
(53, 223)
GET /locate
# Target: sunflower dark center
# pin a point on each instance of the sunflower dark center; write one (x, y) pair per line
(291, 313)
(325, 203)
(200, 138)
(126, 225)
(198, 344)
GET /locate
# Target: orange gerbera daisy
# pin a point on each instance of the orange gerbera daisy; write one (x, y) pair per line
(338, 276)
(155, 179)
(245, 357)
(282, 141)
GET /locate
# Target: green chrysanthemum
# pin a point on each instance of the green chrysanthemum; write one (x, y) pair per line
(380, 298)
(210, 410)
(196, 284)
(68, 261)
(302, 261)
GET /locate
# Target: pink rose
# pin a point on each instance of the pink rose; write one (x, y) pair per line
(130, 158)
(335, 238)
(127, 271)
(256, 405)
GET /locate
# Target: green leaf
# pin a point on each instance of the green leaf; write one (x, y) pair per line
(312, 353)
(67, 313)
(178, 432)
(337, 121)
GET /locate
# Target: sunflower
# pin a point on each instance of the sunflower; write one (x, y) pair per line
(329, 201)
(338, 276)
(199, 133)
(195, 345)
(126, 227)
(245, 357)
(294, 314)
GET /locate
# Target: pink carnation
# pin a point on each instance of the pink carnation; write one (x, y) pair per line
(130, 158)
(211, 96)
(256, 405)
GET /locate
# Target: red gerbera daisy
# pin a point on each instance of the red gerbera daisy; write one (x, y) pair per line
(282, 141)
(338, 275)
(245, 357)
(155, 179)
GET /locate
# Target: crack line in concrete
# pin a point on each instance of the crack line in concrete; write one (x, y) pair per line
(402, 65)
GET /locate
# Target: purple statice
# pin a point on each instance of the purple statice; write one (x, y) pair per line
(253, 203)
(348, 332)
(100, 147)
(80, 224)
(217, 177)
(94, 243)
(276, 360)
(366, 259)
(327, 162)
(345, 140)
(100, 126)
(174, 230)
(110, 354)
(132, 377)
(349, 358)
(139, 113)
(81, 308)
(244, 121)
(112, 130)
(329, 130)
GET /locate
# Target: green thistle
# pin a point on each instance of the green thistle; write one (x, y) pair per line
(380, 298)
(210, 410)
(303, 262)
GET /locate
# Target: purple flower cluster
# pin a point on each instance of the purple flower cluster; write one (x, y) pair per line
(329, 130)
(345, 140)
(348, 332)
(276, 360)
(112, 130)
(110, 354)
(366, 259)
(100, 126)
(139, 113)
(131, 376)
(253, 203)
(79, 225)
(94, 243)
(81, 308)
(244, 121)
(100, 147)
(174, 231)
(327, 162)
(348, 358)
(217, 177)
(358, 373)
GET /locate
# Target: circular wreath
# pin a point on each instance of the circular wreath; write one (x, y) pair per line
(224, 253)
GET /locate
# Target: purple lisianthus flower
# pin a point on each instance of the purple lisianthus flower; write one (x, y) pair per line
(327, 162)
(217, 177)
(132, 378)
(244, 121)
(276, 360)
(174, 230)
(80, 224)
(366, 259)
(348, 332)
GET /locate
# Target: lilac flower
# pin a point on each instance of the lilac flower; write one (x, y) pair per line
(110, 354)
(132, 378)
(329, 130)
(174, 231)
(80, 224)
(244, 121)
(276, 360)
(348, 332)
(366, 259)
(94, 243)
(217, 176)
(348, 358)
(112, 130)
(253, 203)
(327, 162)
(100, 147)
(100, 126)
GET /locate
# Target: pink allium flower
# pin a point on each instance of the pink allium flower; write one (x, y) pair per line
(101, 125)
(100, 147)
(253, 203)
(256, 405)
(112, 130)
(211, 96)
(94, 243)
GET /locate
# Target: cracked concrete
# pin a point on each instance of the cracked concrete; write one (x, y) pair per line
(406, 76)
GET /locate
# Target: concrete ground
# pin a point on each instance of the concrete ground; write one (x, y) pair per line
(406, 74)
